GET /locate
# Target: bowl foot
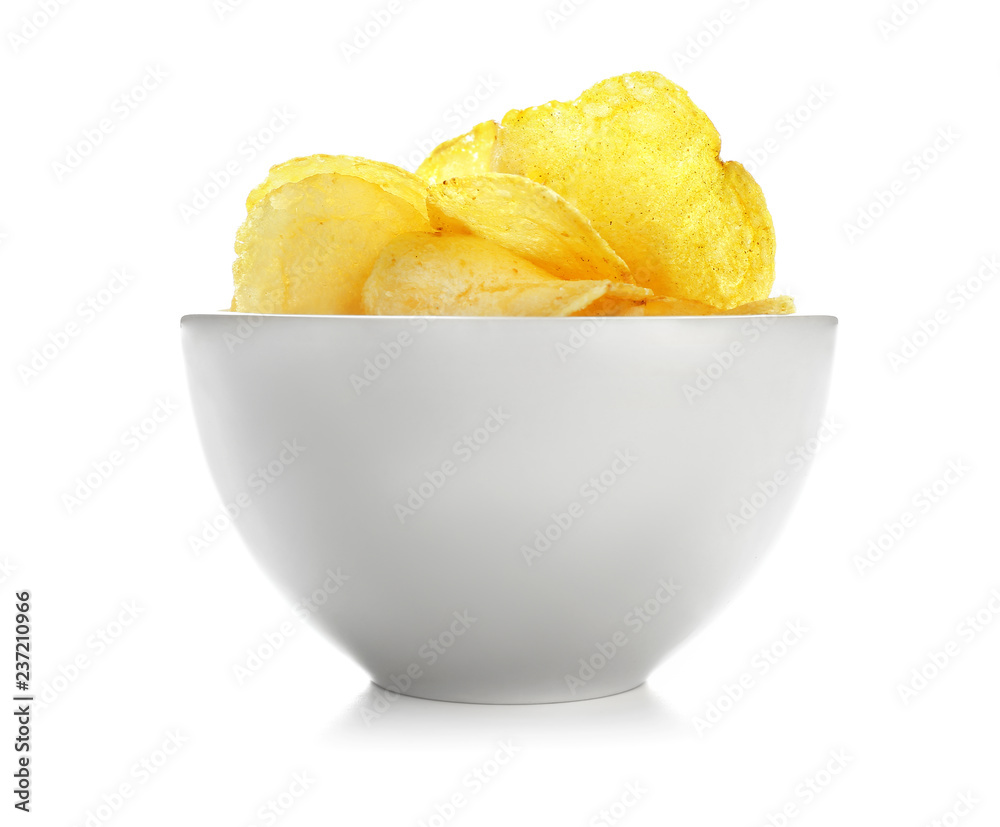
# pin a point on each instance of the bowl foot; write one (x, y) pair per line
(508, 698)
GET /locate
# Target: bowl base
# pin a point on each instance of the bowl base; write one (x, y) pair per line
(508, 699)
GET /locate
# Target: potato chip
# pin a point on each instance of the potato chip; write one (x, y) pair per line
(777, 306)
(468, 154)
(641, 161)
(528, 219)
(612, 305)
(463, 275)
(394, 180)
(666, 306)
(660, 306)
(309, 245)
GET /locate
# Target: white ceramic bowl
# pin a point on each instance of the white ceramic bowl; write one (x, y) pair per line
(508, 510)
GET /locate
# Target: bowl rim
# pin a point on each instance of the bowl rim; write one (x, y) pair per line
(569, 320)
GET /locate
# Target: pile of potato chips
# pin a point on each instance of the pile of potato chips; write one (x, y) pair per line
(614, 204)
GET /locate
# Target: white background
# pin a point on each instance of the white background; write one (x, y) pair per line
(885, 96)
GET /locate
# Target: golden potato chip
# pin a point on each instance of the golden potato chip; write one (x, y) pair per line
(777, 306)
(528, 219)
(463, 275)
(666, 306)
(612, 304)
(660, 306)
(641, 161)
(394, 180)
(309, 245)
(468, 154)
